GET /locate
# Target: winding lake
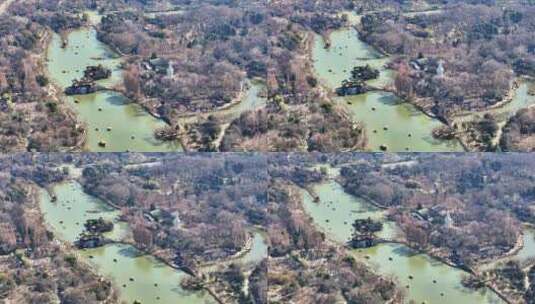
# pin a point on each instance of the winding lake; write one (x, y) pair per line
(153, 281)
(521, 99)
(388, 120)
(131, 127)
(253, 98)
(138, 276)
(109, 116)
(334, 214)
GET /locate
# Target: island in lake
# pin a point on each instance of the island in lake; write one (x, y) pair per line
(267, 228)
(131, 228)
(401, 228)
(287, 76)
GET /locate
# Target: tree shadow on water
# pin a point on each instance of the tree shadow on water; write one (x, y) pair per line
(130, 252)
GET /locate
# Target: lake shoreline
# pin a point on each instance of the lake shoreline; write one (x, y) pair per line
(151, 254)
(382, 240)
(85, 113)
(419, 140)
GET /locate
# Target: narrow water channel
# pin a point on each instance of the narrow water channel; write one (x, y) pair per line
(432, 281)
(528, 251)
(138, 277)
(109, 116)
(253, 98)
(525, 255)
(521, 99)
(258, 252)
(389, 121)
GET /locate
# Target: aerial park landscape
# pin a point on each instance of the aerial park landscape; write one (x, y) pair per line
(255, 152)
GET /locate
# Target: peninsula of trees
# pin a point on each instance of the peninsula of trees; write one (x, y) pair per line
(190, 62)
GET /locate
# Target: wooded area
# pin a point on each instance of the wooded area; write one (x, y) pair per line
(183, 59)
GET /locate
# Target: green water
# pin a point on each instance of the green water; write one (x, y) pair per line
(334, 64)
(131, 126)
(120, 262)
(258, 252)
(425, 271)
(393, 260)
(153, 281)
(73, 207)
(93, 17)
(336, 214)
(251, 100)
(521, 99)
(525, 255)
(528, 251)
(407, 128)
